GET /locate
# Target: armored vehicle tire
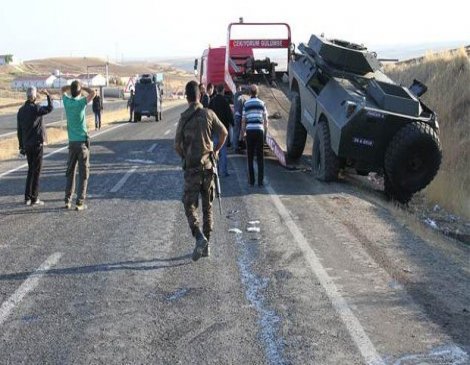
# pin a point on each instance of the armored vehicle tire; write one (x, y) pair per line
(296, 132)
(412, 158)
(137, 117)
(160, 116)
(393, 194)
(362, 172)
(156, 117)
(325, 164)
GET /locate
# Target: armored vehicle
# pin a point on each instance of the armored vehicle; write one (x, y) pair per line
(147, 98)
(360, 118)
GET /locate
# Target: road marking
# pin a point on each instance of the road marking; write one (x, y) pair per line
(145, 162)
(152, 147)
(57, 122)
(28, 285)
(123, 180)
(60, 150)
(7, 134)
(167, 132)
(363, 342)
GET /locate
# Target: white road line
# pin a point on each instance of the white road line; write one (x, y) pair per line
(123, 180)
(28, 285)
(57, 122)
(46, 125)
(152, 147)
(109, 130)
(167, 132)
(363, 342)
(7, 134)
(60, 150)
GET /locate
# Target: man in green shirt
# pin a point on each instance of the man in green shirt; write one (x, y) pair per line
(79, 147)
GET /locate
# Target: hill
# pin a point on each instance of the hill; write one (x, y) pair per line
(77, 65)
(175, 78)
(412, 51)
(447, 76)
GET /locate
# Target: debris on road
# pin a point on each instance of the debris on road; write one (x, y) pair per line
(431, 223)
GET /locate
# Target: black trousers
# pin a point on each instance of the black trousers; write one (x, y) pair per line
(254, 145)
(34, 156)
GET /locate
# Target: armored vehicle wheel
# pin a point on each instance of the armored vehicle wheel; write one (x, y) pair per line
(412, 159)
(361, 172)
(156, 117)
(393, 194)
(296, 132)
(160, 116)
(137, 117)
(325, 164)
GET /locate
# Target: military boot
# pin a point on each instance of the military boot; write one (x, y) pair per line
(207, 251)
(201, 244)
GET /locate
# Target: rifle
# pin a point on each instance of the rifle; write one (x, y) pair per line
(218, 192)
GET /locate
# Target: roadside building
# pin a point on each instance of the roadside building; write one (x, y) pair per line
(92, 80)
(40, 82)
(63, 80)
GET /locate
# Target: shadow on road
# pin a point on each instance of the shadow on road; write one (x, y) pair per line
(138, 265)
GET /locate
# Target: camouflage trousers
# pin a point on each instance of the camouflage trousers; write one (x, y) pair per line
(198, 181)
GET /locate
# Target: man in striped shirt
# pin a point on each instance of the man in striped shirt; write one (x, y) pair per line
(254, 125)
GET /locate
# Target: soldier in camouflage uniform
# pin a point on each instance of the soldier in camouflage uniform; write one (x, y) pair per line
(193, 142)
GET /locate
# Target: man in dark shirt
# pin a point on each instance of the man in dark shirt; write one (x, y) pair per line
(31, 138)
(130, 106)
(210, 90)
(204, 96)
(222, 109)
(97, 107)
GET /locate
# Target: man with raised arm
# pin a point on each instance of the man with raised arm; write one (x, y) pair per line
(31, 138)
(79, 143)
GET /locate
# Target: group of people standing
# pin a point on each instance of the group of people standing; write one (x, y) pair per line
(32, 138)
(246, 124)
(201, 139)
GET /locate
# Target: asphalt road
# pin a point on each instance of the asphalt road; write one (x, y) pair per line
(8, 123)
(300, 273)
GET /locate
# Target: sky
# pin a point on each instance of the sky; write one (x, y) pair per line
(139, 29)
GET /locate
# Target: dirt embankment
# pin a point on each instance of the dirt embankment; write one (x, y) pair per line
(447, 76)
